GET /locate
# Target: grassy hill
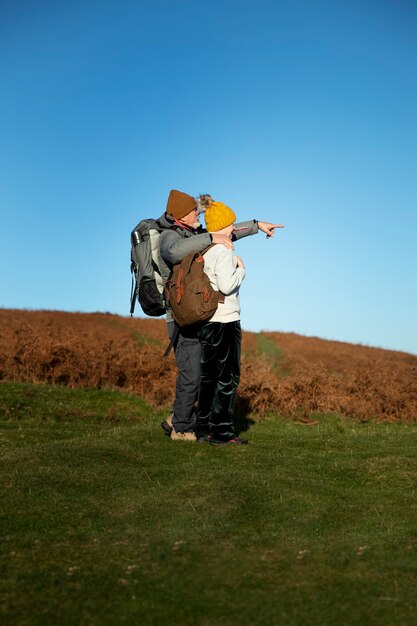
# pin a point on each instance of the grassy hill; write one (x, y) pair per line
(105, 521)
(292, 375)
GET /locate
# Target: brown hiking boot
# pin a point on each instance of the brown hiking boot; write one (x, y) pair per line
(182, 436)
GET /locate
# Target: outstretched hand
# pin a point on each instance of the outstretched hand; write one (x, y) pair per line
(223, 239)
(268, 228)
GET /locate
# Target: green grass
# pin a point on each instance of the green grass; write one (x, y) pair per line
(106, 521)
(270, 349)
(140, 338)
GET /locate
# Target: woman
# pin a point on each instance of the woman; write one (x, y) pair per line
(221, 336)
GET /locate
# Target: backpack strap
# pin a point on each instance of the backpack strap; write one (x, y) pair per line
(134, 288)
(173, 340)
(208, 248)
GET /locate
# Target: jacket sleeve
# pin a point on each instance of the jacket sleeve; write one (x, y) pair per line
(228, 276)
(244, 229)
(175, 248)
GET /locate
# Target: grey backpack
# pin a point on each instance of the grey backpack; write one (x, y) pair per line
(147, 283)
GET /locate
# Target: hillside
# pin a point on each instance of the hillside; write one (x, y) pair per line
(293, 375)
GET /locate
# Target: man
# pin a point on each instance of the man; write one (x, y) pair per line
(185, 235)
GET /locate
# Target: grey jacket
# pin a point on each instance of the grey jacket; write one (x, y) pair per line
(176, 243)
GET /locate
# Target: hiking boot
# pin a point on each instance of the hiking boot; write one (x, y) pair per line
(236, 441)
(167, 424)
(175, 436)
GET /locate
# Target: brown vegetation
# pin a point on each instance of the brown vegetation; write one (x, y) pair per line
(102, 350)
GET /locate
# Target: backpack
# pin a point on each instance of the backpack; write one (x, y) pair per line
(189, 293)
(147, 283)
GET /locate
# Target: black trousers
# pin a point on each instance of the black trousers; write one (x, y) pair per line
(219, 378)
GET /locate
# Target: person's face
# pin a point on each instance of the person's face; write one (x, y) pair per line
(192, 219)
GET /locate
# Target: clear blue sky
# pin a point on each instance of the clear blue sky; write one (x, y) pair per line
(296, 111)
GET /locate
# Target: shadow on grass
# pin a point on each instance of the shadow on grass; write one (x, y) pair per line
(241, 419)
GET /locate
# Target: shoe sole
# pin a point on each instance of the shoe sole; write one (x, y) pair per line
(228, 443)
(166, 427)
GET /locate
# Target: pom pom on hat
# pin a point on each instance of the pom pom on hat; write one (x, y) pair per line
(180, 204)
(218, 216)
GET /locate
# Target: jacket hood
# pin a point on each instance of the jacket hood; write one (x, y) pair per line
(166, 221)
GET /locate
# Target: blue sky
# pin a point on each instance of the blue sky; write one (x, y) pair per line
(299, 112)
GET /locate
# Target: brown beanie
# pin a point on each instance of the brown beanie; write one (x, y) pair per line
(180, 204)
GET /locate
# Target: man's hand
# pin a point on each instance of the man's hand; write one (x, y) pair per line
(268, 228)
(223, 239)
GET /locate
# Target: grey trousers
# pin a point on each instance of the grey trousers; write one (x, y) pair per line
(187, 357)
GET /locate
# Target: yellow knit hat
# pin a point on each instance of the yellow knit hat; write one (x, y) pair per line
(218, 216)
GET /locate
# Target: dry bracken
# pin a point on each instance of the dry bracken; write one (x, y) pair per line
(102, 350)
